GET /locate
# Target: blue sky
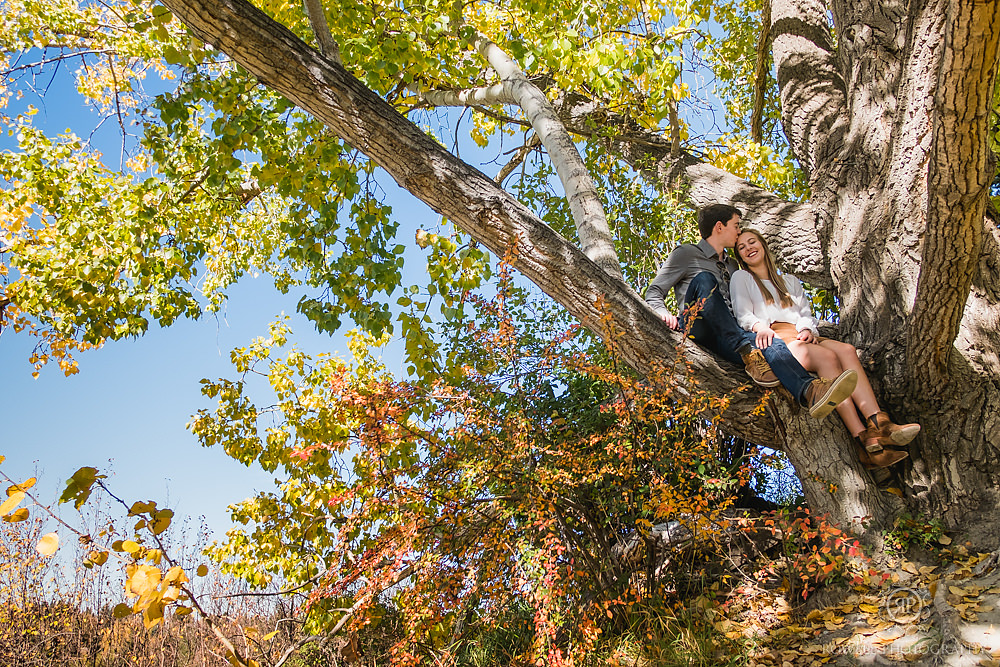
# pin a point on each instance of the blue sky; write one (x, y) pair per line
(125, 412)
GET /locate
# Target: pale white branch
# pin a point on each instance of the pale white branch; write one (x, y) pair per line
(469, 97)
(584, 202)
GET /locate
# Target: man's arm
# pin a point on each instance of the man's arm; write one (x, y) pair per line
(669, 275)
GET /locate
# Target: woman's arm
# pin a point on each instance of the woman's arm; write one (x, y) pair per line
(742, 292)
(740, 286)
(805, 321)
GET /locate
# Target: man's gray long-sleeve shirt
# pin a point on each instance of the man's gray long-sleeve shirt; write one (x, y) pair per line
(683, 264)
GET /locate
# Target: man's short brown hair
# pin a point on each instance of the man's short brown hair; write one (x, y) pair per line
(713, 213)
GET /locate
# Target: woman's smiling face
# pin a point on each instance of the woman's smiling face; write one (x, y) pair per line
(749, 248)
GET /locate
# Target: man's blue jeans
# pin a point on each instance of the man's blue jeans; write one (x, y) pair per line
(716, 328)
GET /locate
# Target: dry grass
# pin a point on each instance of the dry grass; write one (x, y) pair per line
(58, 612)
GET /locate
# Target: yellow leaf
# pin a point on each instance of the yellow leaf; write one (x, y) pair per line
(48, 544)
(98, 557)
(131, 547)
(8, 505)
(202, 570)
(139, 507)
(945, 540)
(152, 614)
(121, 610)
(145, 579)
(171, 594)
(868, 608)
(910, 567)
(161, 522)
(183, 611)
(932, 588)
(23, 486)
(175, 575)
(19, 515)
(269, 636)
(895, 491)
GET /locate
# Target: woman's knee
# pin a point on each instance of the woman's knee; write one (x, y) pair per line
(825, 358)
(844, 351)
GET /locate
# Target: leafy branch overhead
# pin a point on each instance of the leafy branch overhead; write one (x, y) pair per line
(862, 155)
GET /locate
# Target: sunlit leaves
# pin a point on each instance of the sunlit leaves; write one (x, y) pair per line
(13, 501)
(48, 544)
(80, 485)
(504, 475)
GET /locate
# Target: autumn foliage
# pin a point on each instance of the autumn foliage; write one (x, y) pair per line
(530, 477)
(529, 495)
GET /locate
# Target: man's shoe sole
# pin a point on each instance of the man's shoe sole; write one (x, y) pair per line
(770, 383)
(839, 390)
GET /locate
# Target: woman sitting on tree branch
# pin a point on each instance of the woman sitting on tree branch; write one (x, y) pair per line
(770, 305)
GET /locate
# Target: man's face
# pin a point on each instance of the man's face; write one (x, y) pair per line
(730, 231)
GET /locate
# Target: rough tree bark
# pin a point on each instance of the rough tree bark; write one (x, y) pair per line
(890, 125)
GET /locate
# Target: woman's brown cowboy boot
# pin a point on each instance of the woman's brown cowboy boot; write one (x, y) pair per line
(873, 441)
(883, 459)
(898, 434)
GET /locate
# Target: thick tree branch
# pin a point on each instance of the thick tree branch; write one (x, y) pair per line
(957, 186)
(463, 194)
(790, 227)
(812, 89)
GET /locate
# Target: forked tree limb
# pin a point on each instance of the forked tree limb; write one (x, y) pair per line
(469, 198)
(789, 227)
(813, 101)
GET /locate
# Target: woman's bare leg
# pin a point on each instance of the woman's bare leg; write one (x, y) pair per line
(863, 396)
(827, 363)
(816, 358)
(849, 413)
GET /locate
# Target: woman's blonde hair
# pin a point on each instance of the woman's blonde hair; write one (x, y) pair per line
(772, 272)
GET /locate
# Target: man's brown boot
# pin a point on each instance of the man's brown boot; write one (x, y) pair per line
(883, 459)
(824, 394)
(899, 434)
(758, 369)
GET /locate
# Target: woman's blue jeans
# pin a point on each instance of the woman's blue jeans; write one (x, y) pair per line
(716, 329)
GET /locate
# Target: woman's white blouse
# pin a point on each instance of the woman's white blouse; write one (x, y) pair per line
(750, 308)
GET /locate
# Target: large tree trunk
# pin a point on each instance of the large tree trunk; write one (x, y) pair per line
(891, 128)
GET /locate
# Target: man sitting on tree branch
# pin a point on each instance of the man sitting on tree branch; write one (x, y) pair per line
(699, 274)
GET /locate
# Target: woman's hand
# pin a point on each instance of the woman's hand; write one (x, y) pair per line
(765, 335)
(806, 336)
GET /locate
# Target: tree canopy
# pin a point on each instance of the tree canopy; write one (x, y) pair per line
(857, 136)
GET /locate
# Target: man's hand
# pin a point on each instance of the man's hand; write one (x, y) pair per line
(671, 321)
(806, 336)
(765, 335)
